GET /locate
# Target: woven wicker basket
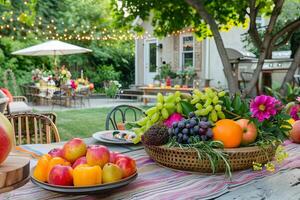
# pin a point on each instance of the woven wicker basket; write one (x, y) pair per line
(187, 159)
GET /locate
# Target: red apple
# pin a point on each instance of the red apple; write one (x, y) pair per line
(56, 152)
(119, 156)
(249, 131)
(6, 137)
(295, 132)
(79, 161)
(61, 175)
(127, 165)
(113, 156)
(74, 149)
(97, 155)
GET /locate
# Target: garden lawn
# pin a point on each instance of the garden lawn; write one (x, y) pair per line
(82, 123)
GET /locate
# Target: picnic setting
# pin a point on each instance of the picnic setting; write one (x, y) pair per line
(125, 99)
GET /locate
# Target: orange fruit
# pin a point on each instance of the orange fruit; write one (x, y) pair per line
(228, 132)
(40, 171)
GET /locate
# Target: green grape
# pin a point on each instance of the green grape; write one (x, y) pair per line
(195, 100)
(207, 102)
(212, 95)
(218, 107)
(177, 94)
(159, 106)
(170, 98)
(169, 105)
(149, 124)
(178, 99)
(208, 90)
(142, 121)
(221, 115)
(197, 92)
(179, 108)
(214, 116)
(164, 113)
(204, 96)
(155, 117)
(199, 106)
(160, 98)
(151, 111)
(202, 112)
(215, 100)
(221, 94)
(209, 108)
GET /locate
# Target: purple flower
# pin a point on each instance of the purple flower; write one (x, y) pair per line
(263, 107)
(294, 112)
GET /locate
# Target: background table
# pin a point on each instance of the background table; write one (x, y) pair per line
(164, 90)
(156, 182)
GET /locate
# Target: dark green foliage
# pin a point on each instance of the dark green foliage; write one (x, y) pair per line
(75, 16)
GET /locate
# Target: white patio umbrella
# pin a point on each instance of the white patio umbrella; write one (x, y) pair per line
(52, 48)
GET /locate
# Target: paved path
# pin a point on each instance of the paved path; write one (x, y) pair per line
(94, 103)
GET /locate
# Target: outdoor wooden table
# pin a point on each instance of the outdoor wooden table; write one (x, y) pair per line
(156, 182)
(163, 90)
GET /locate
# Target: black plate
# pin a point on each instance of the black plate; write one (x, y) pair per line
(87, 189)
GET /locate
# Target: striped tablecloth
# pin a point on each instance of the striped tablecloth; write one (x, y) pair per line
(156, 182)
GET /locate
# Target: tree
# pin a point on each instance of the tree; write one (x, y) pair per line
(208, 18)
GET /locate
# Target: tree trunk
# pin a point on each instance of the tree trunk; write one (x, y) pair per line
(290, 74)
(227, 68)
(266, 46)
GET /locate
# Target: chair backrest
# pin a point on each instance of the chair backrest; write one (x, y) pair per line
(31, 128)
(50, 115)
(122, 114)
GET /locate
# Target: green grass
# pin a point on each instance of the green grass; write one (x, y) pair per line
(82, 123)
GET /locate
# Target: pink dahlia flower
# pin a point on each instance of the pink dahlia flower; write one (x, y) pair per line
(175, 117)
(263, 107)
(294, 112)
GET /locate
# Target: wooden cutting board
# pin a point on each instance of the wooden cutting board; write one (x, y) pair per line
(14, 172)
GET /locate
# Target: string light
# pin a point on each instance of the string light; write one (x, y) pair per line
(90, 33)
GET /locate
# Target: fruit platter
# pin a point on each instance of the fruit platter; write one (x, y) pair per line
(80, 169)
(213, 131)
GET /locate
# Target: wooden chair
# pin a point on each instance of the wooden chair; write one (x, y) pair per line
(122, 114)
(31, 128)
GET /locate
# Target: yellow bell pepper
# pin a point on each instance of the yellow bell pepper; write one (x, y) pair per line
(85, 175)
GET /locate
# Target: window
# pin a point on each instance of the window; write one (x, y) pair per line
(187, 51)
(152, 57)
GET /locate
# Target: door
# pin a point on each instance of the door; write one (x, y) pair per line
(150, 60)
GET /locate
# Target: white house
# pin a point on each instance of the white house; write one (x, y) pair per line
(183, 50)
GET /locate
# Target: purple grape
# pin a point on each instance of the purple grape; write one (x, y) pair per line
(209, 133)
(196, 129)
(193, 122)
(203, 137)
(204, 119)
(202, 131)
(176, 131)
(185, 131)
(181, 125)
(174, 124)
(185, 138)
(191, 115)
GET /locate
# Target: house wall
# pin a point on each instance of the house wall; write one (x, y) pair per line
(212, 63)
(207, 61)
(170, 53)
